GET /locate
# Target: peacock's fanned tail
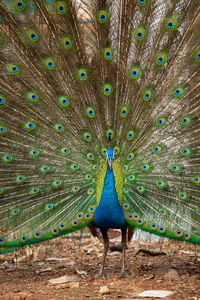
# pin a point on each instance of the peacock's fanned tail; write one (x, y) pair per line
(75, 74)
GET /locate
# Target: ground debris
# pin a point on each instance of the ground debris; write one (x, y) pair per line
(156, 294)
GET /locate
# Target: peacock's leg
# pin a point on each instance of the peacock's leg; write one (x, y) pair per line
(123, 272)
(106, 245)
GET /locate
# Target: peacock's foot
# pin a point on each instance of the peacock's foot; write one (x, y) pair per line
(122, 275)
(100, 275)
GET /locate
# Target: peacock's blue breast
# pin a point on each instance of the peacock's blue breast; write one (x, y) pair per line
(109, 213)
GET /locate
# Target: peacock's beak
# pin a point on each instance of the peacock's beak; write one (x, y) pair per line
(110, 162)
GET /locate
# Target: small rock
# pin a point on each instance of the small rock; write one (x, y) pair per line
(79, 272)
(56, 259)
(43, 270)
(104, 290)
(156, 294)
(64, 279)
(171, 275)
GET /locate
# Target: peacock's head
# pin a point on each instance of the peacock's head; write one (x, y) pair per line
(110, 155)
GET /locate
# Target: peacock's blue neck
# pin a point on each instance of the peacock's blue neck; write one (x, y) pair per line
(109, 213)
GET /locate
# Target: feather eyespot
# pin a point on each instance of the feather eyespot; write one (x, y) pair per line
(34, 152)
(102, 16)
(182, 196)
(126, 191)
(161, 121)
(7, 158)
(141, 189)
(90, 191)
(197, 55)
(49, 64)
(110, 133)
(186, 235)
(87, 136)
(90, 156)
(132, 177)
(178, 232)
(153, 226)
(175, 168)
(140, 34)
(74, 167)
(147, 95)
(63, 226)
(170, 23)
(1, 191)
(95, 167)
(161, 183)
(130, 156)
(162, 212)
(29, 125)
(88, 176)
(38, 234)
(49, 206)
(59, 128)
(142, 3)
(2, 241)
(108, 53)
(178, 92)
(15, 211)
(44, 169)
(196, 180)
(126, 206)
(65, 151)
(117, 150)
(140, 221)
(32, 35)
(63, 101)
(124, 111)
(130, 135)
(34, 191)
(107, 89)
(125, 168)
(185, 151)
(32, 97)
(156, 149)
(55, 231)
(56, 183)
(13, 69)
(161, 58)
(24, 238)
(61, 8)
(66, 42)
(75, 189)
(198, 211)
(185, 121)
(145, 167)
(90, 112)
(82, 74)
(134, 72)
(161, 229)
(92, 208)
(20, 179)
(103, 151)
(3, 129)
(19, 5)
(2, 100)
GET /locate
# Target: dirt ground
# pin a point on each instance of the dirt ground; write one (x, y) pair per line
(74, 263)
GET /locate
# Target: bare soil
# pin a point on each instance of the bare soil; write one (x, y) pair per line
(79, 261)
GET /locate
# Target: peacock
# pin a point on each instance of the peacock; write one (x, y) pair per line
(99, 120)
